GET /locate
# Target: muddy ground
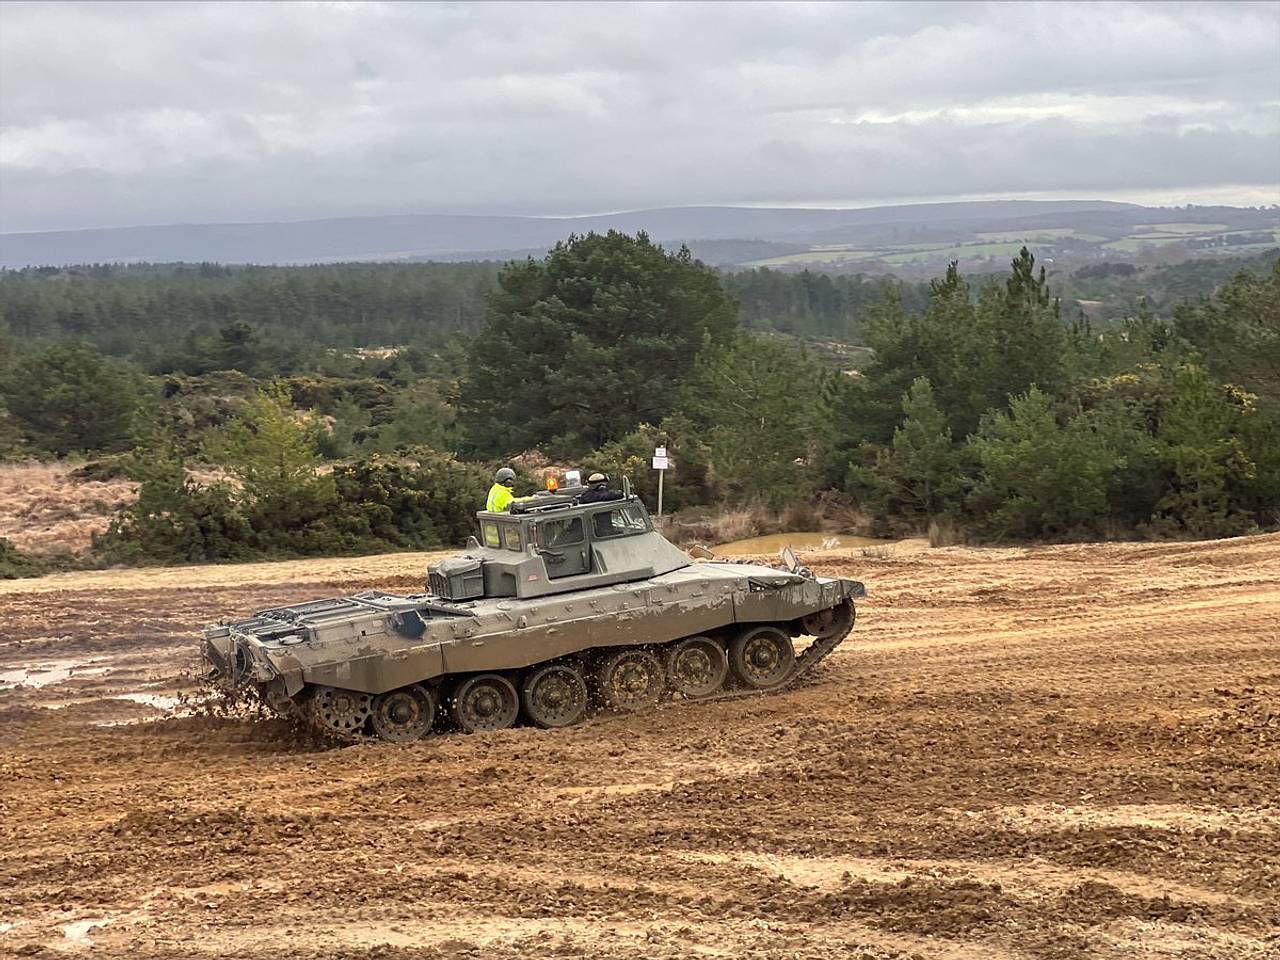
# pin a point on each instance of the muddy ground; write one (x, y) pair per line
(1058, 752)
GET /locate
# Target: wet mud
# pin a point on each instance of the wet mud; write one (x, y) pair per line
(1054, 752)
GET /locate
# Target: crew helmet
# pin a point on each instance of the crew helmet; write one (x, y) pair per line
(597, 477)
(506, 476)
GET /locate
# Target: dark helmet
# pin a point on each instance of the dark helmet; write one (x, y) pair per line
(506, 476)
(598, 477)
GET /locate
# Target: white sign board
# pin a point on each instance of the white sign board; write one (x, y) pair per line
(659, 451)
(660, 463)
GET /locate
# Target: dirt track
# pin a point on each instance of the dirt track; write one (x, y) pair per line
(1060, 752)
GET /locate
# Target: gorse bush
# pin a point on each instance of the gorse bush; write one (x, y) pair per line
(279, 502)
(15, 564)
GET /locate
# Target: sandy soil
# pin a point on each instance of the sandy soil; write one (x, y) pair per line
(1058, 752)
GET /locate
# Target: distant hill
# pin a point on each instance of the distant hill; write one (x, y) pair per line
(724, 236)
(432, 236)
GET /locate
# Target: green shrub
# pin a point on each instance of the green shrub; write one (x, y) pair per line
(1038, 479)
(417, 502)
(71, 399)
(688, 482)
(175, 520)
(15, 564)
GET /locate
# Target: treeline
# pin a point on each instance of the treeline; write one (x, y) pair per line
(1121, 289)
(987, 411)
(992, 417)
(263, 320)
(808, 304)
(192, 318)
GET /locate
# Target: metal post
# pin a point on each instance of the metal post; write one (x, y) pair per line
(660, 464)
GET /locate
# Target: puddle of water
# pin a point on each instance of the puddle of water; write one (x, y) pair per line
(158, 700)
(50, 673)
(166, 704)
(77, 931)
(775, 542)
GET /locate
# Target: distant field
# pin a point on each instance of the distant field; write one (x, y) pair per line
(1181, 228)
(959, 252)
(1047, 233)
(995, 244)
(1131, 244)
(816, 257)
(1275, 234)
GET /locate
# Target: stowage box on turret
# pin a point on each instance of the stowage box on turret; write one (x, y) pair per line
(556, 607)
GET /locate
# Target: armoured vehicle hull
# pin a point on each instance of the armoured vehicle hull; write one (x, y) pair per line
(505, 631)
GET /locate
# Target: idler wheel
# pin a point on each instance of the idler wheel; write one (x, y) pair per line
(342, 711)
(696, 667)
(631, 679)
(405, 714)
(762, 657)
(485, 702)
(555, 695)
(829, 622)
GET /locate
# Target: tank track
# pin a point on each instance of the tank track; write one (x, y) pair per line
(819, 650)
(814, 654)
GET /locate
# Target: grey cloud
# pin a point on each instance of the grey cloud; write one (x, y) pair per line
(113, 114)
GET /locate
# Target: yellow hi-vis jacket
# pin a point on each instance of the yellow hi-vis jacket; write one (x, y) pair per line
(500, 498)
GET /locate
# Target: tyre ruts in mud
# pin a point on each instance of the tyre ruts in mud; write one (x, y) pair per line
(567, 609)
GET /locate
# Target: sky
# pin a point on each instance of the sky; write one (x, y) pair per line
(125, 114)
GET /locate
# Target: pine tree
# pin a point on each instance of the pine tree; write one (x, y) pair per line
(602, 335)
(920, 475)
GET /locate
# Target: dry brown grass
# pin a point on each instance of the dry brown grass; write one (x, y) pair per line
(735, 525)
(44, 510)
(356, 573)
(801, 515)
(945, 532)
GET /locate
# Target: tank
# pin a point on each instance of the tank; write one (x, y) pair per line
(556, 609)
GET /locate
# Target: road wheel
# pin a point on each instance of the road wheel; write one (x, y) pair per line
(631, 679)
(762, 657)
(696, 667)
(554, 695)
(340, 711)
(405, 714)
(829, 622)
(485, 702)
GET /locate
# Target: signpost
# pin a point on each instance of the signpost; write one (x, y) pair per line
(660, 463)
